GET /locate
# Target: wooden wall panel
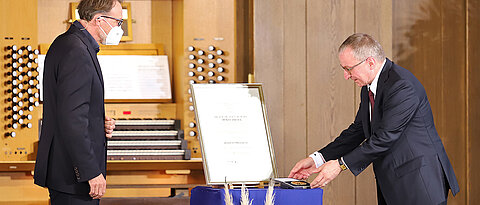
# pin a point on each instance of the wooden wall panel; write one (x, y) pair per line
(429, 40)
(269, 68)
(161, 26)
(295, 61)
(473, 101)
(330, 98)
(309, 102)
(53, 14)
(453, 92)
(142, 29)
(379, 25)
(244, 40)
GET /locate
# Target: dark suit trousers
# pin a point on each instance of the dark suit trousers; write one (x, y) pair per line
(61, 198)
(381, 200)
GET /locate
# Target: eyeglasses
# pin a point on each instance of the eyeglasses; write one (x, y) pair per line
(120, 21)
(351, 68)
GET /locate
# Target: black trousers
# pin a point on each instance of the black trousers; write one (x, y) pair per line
(381, 200)
(62, 198)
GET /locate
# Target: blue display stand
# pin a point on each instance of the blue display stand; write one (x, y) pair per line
(210, 196)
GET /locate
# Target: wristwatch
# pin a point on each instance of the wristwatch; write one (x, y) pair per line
(342, 165)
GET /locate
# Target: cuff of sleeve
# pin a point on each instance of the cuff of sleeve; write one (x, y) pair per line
(317, 158)
(341, 158)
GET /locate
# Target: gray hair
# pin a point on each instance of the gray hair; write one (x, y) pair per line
(89, 8)
(363, 46)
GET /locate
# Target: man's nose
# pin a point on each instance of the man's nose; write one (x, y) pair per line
(346, 75)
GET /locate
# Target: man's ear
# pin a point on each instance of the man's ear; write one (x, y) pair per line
(371, 62)
(96, 19)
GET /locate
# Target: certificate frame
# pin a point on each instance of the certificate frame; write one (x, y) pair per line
(211, 162)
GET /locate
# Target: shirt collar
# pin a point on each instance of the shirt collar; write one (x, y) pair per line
(89, 36)
(373, 85)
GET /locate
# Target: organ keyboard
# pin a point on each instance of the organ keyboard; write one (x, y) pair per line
(147, 139)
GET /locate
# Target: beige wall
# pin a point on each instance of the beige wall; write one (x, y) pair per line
(309, 103)
(473, 100)
(54, 14)
(438, 41)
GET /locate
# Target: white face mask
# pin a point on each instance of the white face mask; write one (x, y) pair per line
(114, 36)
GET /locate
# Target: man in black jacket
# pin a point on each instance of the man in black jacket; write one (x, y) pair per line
(393, 130)
(71, 157)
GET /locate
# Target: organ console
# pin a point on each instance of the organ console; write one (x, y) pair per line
(20, 87)
(147, 139)
(134, 140)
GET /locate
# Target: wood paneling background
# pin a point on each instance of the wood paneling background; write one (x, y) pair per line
(53, 14)
(430, 40)
(309, 102)
(473, 101)
(330, 98)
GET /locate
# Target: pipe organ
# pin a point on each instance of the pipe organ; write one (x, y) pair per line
(155, 143)
(210, 54)
(205, 65)
(19, 105)
(147, 139)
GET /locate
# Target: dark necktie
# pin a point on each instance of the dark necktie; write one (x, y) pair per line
(372, 99)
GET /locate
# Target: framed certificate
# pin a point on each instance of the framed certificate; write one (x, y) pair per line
(234, 133)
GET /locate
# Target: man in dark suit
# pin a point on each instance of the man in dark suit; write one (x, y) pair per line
(71, 157)
(393, 129)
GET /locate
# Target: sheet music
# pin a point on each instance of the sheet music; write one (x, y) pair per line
(131, 76)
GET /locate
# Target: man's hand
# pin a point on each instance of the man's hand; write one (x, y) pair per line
(98, 186)
(109, 126)
(327, 172)
(303, 169)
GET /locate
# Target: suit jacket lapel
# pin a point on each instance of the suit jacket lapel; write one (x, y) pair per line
(378, 109)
